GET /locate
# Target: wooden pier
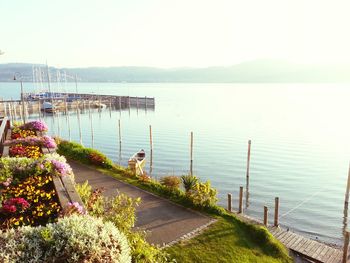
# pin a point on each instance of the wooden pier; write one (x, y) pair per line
(75, 100)
(310, 249)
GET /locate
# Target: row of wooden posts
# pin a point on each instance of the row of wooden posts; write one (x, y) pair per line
(240, 207)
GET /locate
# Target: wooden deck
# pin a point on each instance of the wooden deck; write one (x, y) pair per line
(310, 249)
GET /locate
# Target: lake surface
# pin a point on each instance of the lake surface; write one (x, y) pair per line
(300, 142)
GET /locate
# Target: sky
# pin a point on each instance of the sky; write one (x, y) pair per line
(178, 33)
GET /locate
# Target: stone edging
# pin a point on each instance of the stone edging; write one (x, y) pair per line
(189, 235)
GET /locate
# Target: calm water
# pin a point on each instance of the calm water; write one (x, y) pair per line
(300, 142)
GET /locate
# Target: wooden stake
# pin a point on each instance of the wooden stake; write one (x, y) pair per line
(120, 142)
(58, 124)
(229, 202)
(265, 215)
(275, 222)
(68, 122)
(5, 109)
(151, 147)
(110, 108)
(191, 155)
(240, 208)
(80, 135)
(120, 133)
(92, 130)
(39, 109)
(346, 202)
(346, 247)
(248, 160)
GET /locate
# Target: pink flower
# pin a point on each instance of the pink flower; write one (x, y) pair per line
(13, 205)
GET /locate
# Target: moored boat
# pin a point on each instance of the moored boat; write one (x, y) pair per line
(137, 162)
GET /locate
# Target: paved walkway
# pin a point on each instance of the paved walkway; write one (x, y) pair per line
(165, 220)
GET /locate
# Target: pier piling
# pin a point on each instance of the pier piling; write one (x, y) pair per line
(229, 202)
(151, 147)
(265, 215)
(247, 175)
(240, 207)
(346, 247)
(275, 222)
(191, 155)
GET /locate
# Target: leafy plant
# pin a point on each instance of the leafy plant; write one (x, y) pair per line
(203, 195)
(189, 181)
(172, 181)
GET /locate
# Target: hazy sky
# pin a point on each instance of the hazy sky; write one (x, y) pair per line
(176, 33)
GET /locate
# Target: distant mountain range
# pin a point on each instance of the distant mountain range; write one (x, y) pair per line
(258, 71)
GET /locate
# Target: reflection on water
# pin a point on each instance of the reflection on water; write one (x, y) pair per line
(300, 143)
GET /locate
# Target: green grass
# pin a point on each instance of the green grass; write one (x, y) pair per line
(224, 241)
(228, 240)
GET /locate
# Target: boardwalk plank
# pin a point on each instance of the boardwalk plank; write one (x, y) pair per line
(296, 242)
(290, 239)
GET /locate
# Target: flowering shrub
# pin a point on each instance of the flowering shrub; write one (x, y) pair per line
(61, 168)
(72, 239)
(73, 208)
(35, 126)
(30, 151)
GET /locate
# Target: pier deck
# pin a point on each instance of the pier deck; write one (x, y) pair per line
(313, 250)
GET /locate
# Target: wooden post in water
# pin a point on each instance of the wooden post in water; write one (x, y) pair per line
(10, 111)
(265, 215)
(191, 155)
(80, 135)
(68, 121)
(247, 175)
(58, 124)
(110, 108)
(151, 147)
(345, 247)
(240, 207)
(137, 104)
(39, 109)
(277, 201)
(229, 202)
(5, 109)
(120, 141)
(346, 202)
(92, 129)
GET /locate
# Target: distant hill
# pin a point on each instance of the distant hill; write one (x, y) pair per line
(258, 71)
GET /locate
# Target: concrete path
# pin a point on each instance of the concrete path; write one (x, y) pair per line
(165, 221)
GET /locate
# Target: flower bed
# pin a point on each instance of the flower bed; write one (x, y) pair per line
(30, 151)
(25, 142)
(27, 192)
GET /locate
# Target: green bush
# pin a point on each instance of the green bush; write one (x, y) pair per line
(76, 151)
(203, 195)
(71, 239)
(172, 182)
(121, 211)
(189, 181)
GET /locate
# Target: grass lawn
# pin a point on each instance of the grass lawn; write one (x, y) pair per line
(224, 241)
